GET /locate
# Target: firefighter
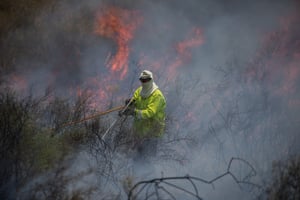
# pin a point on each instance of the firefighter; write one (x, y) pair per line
(148, 108)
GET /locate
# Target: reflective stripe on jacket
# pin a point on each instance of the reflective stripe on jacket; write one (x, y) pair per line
(149, 115)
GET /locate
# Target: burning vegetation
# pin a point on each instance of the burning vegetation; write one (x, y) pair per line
(61, 64)
(119, 25)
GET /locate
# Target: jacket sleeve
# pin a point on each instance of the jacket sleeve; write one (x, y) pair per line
(136, 93)
(152, 108)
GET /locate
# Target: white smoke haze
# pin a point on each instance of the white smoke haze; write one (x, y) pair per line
(210, 104)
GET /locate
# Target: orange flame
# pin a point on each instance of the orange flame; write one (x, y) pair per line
(195, 40)
(119, 25)
(183, 54)
(277, 62)
(182, 48)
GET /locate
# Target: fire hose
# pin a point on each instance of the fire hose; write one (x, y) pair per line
(92, 116)
(116, 120)
(119, 108)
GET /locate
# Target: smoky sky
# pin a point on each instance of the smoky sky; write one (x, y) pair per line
(231, 30)
(232, 96)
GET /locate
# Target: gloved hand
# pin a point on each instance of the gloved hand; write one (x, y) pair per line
(128, 111)
(127, 102)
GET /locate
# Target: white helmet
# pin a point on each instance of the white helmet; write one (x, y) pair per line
(146, 75)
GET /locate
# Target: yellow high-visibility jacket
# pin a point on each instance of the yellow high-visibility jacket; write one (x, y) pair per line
(149, 114)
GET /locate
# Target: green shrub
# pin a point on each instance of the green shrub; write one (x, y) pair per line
(41, 151)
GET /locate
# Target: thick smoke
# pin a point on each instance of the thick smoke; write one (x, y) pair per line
(230, 96)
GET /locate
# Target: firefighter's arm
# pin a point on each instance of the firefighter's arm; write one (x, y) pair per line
(136, 94)
(152, 108)
(129, 104)
(133, 98)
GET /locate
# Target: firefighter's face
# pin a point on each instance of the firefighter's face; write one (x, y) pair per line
(145, 80)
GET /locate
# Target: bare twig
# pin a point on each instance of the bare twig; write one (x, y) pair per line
(158, 184)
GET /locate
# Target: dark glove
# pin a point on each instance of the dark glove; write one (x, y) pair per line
(128, 111)
(127, 102)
